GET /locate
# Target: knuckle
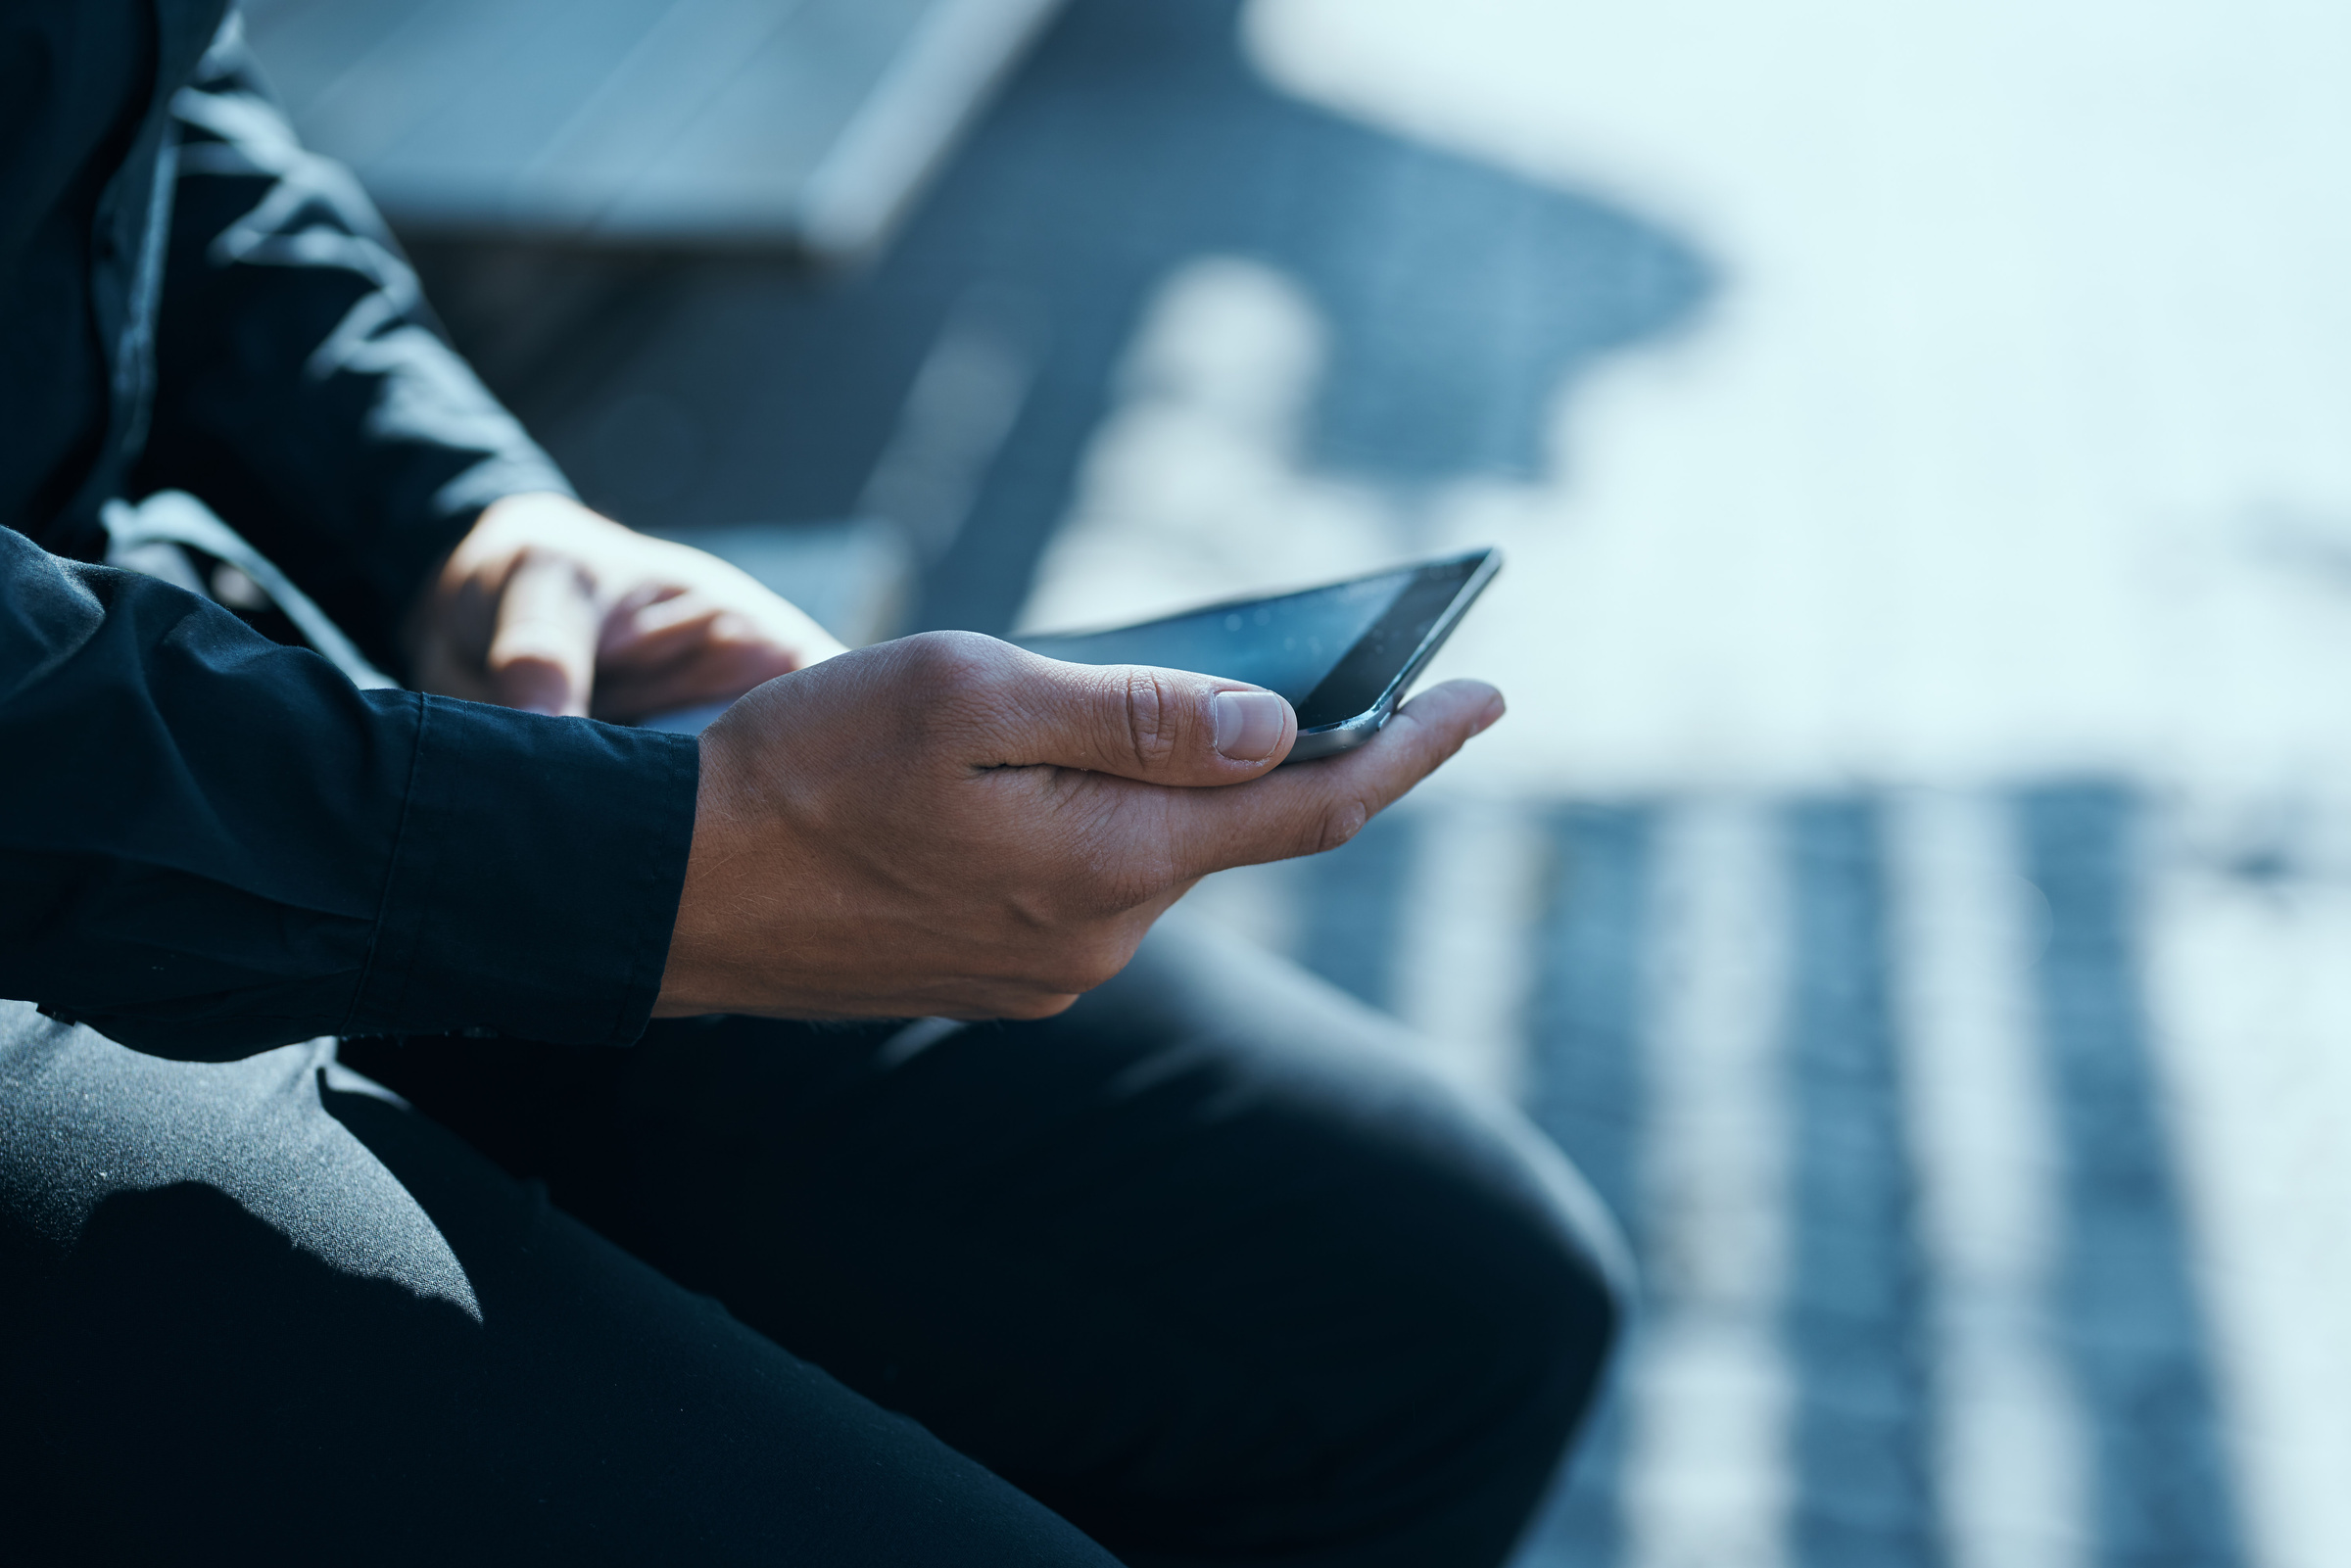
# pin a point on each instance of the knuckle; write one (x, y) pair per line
(1340, 822)
(956, 679)
(953, 662)
(551, 568)
(1152, 724)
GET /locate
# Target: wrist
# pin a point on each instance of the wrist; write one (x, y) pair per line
(714, 903)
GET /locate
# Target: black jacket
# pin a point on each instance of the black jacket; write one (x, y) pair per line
(211, 843)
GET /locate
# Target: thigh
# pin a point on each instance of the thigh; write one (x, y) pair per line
(261, 1309)
(1205, 1263)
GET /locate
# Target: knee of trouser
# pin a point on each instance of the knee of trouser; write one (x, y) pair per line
(1579, 1297)
(1581, 1320)
(1554, 1283)
(1525, 1297)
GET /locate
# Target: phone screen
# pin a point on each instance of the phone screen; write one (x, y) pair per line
(1331, 651)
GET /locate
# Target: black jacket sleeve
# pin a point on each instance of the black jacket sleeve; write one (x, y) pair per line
(302, 387)
(210, 845)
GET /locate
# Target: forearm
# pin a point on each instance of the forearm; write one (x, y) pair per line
(210, 845)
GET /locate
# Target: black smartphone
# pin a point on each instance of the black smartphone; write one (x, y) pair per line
(1343, 655)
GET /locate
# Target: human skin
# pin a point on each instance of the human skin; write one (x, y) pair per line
(943, 825)
(547, 606)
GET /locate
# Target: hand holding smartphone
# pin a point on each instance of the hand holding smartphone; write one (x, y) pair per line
(1343, 655)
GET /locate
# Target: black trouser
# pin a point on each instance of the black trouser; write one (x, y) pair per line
(1197, 1269)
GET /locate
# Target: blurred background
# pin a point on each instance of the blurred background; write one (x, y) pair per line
(1914, 880)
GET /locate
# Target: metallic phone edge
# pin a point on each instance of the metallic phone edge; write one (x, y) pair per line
(1329, 740)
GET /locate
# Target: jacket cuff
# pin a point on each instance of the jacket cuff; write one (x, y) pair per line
(536, 878)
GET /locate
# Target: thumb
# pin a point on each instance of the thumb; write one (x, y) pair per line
(1164, 727)
(542, 652)
(1307, 810)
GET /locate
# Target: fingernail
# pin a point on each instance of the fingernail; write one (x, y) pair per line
(1248, 725)
(1492, 716)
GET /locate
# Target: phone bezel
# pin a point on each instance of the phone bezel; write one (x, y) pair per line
(1344, 735)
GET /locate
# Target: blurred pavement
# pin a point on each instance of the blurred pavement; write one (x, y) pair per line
(1915, 877)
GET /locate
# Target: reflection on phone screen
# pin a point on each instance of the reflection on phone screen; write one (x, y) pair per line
(1288, 644)
(1332, 651)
